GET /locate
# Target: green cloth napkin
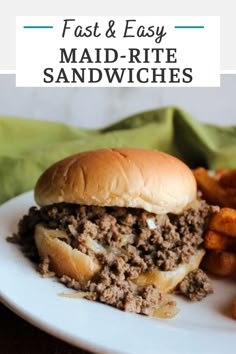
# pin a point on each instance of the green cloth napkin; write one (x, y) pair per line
(27, 146)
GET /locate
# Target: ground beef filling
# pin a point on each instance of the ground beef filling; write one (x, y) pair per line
(135, 241)
(196, 285)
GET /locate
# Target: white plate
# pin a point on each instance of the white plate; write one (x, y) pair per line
(202, 327)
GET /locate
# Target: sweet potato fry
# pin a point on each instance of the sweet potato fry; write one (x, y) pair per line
(228, 180)
(231, 192)
(234, 309)
(219, 173)
(210, 188)
(224, 222)
(218, 242)
(220, 263)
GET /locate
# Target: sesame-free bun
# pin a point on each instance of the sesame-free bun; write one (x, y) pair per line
(124, 177)
(64, 260)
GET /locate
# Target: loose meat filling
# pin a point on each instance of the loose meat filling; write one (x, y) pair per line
(126, 241)
(196, 285)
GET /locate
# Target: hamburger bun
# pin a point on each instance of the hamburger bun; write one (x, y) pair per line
(123, 177)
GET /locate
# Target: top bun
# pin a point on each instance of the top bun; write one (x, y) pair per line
(124, 177)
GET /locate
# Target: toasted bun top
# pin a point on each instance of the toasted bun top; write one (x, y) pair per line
(125, 177)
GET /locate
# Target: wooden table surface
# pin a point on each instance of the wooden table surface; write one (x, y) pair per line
(19, 337)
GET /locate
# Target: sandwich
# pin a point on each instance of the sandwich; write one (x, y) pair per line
(122, 226)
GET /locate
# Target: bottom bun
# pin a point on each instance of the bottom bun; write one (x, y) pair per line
(64, 260)
(168, 280)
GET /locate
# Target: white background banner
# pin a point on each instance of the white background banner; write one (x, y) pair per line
(117, 51)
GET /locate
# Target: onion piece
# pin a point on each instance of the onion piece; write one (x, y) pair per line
(132, 249)
(127, 239)
(151, 224)
(72, 230)
(60, 234)
(94, 246)
(161, 218)
(195, 204)
(168, 310)
(77, 295)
